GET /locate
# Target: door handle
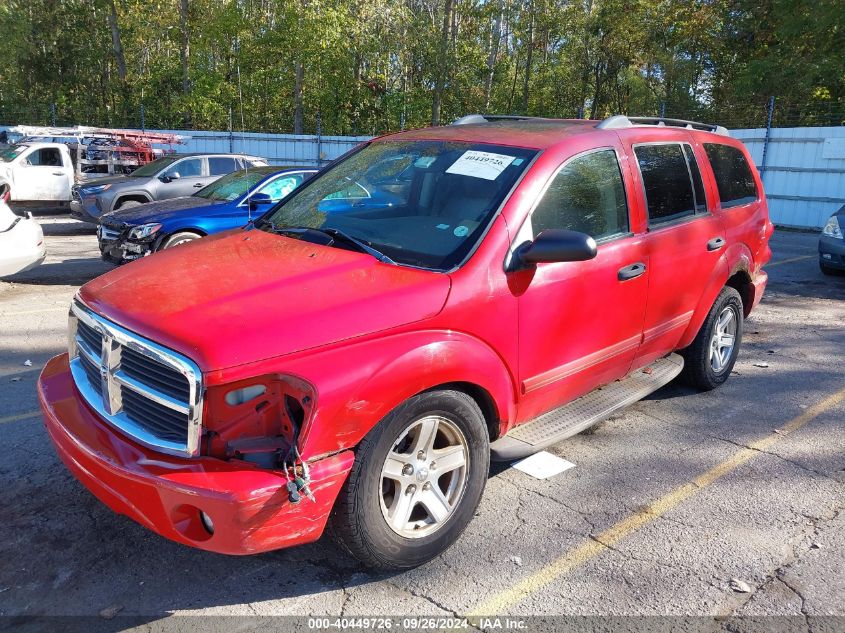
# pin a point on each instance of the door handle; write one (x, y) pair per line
(715, 244)
(198, 185)
(58, 173)
(630, 272)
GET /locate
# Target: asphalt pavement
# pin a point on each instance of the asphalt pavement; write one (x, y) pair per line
(728, 503)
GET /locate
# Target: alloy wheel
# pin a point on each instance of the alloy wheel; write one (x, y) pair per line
(424, 476)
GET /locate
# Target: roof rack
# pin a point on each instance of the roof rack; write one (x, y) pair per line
(621, 121)
(489, 118)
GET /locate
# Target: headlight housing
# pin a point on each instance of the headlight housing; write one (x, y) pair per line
(143, 231)
(95, 189)
(833, 228)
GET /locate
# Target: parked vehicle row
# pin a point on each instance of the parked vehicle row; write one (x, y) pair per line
(164, 178)
(39, 171)
(436, 299)
(228, 203)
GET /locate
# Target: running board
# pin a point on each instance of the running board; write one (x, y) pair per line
(578, 415)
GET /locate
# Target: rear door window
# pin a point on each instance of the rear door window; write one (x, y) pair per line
(586, 195)
(733, 175)
(220, 165)
(667, 181)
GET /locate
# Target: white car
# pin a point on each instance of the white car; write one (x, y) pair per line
(21, 242)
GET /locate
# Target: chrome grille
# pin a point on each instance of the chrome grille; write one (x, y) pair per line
(147, 391)
(161, 377)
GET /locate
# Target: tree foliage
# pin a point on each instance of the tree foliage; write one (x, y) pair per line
(370, 66)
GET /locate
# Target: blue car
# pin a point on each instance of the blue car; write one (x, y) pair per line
(227, 203)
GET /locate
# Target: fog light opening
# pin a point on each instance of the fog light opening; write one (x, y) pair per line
(207, 523)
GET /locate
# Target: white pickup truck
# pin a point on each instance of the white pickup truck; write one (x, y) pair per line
(37, 175)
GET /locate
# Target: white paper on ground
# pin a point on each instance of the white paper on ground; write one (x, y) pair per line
(543, 465)
(486, 165)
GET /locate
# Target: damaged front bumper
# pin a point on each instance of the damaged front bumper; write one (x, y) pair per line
(117, 248)
(248, 506)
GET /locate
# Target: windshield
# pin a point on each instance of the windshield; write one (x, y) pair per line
(152, 168)
(11, 153)
(421, 203)
(231, 186)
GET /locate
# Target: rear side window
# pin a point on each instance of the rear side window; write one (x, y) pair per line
(733, 175)
(220, 165)
(697, 184)
(586, 195)
(668, 181)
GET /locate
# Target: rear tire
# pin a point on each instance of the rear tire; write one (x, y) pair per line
(416, 482)
(708, 361)
(177, 239)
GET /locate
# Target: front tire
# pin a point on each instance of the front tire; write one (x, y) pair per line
(128, 204)
(708, 361)
(177, 239)
(416, 482)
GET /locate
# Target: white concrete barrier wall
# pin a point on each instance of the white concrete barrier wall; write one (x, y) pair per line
(278, 149)
(804, 175)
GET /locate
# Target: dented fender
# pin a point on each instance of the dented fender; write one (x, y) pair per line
(358, 385)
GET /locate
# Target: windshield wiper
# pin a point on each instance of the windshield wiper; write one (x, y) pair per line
(338, 236)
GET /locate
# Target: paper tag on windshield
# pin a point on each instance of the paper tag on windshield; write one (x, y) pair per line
(486, 165)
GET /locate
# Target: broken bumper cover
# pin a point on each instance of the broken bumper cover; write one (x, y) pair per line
(120, 251)
(248, 506)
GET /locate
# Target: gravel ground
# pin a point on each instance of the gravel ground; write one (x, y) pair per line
(611, 537)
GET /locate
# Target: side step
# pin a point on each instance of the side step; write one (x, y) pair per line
(578, 415)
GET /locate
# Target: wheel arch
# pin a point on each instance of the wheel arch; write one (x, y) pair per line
(168, 233)
(368, 380)
(482, 398)
(733, 269)
(137, 196)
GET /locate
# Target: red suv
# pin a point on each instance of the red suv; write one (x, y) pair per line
(432, 300)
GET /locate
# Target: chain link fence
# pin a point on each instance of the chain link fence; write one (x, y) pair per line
(769, 112)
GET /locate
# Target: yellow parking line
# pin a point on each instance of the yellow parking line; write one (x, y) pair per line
(590, 549)
(40, 311)
(20, 416)
(789, 261)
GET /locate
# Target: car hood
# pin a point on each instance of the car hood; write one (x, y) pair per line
(245, 296)
(160, 211)
(110, 180)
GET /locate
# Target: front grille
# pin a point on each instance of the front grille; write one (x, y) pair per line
(108, 233)
(148, 371)
(147, 391)
(92, 373)
(160, 420)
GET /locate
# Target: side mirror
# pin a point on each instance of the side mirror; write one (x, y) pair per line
(555, 245)
(169, 176)
(259, 199)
